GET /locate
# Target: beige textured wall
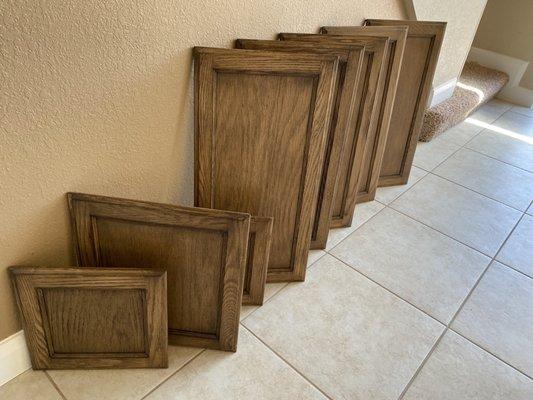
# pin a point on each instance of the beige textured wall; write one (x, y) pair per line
(96, 96)
(507, 28)
(462, 18)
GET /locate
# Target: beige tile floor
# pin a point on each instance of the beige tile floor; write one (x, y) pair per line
(429, 295)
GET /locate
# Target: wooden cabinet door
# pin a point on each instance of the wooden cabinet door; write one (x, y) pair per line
(262, 120)
(375, 151)
(344, 115)
(363, 132)
(422, 49)
(203, 252)
(77, 318)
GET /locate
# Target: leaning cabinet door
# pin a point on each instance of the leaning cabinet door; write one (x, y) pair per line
(262, 120)
(203, 252)
(396, 35)
(362, 133)
(419, 62)
(77, 318)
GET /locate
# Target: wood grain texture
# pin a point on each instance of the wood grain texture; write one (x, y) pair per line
(344, 111)
(255, 276)
(422, 48)
(261, 124)
(203, 252)
(374, 154)
(363, 127)
(78, 318)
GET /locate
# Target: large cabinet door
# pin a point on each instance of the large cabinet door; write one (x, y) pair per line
(203, 252)
(261, 124)
(422, 49)
(363, 130)
(374, 153)
(344, 115)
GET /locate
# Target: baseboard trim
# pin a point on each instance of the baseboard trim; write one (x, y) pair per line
(442, 92)
(14, 357)
(514, 67)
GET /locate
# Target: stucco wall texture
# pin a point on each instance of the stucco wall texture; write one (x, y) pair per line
(462, 19)
(96, 96)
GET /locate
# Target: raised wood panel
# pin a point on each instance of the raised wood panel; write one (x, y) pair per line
(372, 163)
(363, 133)
(419, 62)
(344, 114)
(93, 318)
(262, 120)
(203, 252)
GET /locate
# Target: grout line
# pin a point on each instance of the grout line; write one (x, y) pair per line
(426, 358)
(475, 191)
(387, 289)
(491, 353)
(442, 233)
(359, 227)
(174, 373)
(281, 288)
(513, 268)
(497, 159)
(55, 385)
(288, 363)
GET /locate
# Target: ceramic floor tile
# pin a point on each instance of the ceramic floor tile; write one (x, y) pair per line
(253, 372)
(29, 385)
(429, 155)
(349, 336)
(119, 383)
(523, 110)
(363, 212)
(515, 123)
(491, 111)
(272, 288)
(388, 194)
(514, 150)
(517, 252)
(458, 369)
(493, 178)
(461, 133)
(419, 264)
(467, 216)
(498, 316)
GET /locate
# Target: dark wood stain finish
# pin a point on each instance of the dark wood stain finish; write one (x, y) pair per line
(363, 128)
(76, 318)
(257, 261)
(419, 62)
(374, 154)
(348, 79)
(261, 123)
(203, 252)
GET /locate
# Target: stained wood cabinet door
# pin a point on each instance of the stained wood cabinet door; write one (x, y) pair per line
(421, 54)
(203, 252)
(77, 318)
(375, 151)
(262, 121)
(363, 130)
(344, 116)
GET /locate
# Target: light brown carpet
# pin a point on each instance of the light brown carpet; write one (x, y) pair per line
(477, 85)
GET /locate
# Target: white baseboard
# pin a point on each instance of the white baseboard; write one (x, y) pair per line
(442, 92)
(514, 67)
(14, 357)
